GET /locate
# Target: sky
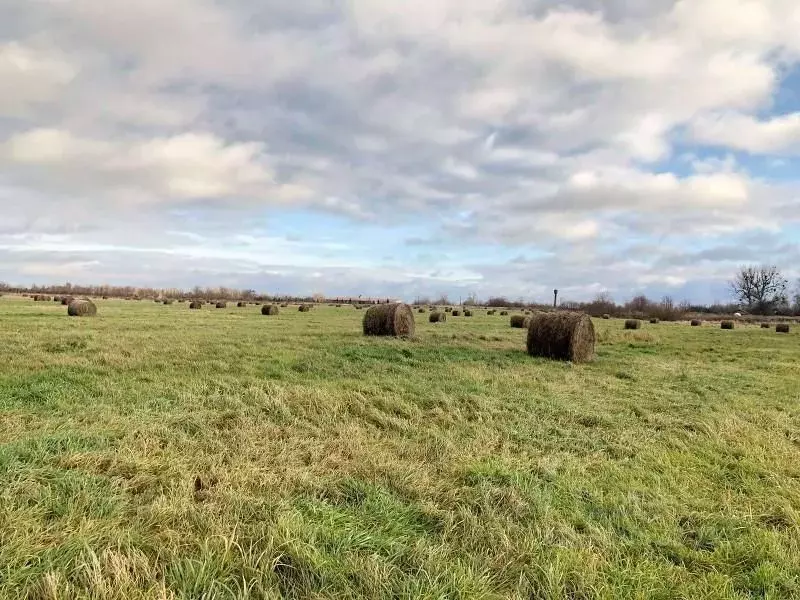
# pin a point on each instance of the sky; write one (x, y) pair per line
(415, 148)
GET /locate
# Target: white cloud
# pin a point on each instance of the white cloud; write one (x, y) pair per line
(30, 76)
(503, 122)
(779, 134)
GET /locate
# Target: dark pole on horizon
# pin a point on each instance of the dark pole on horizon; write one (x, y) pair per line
(555, 298)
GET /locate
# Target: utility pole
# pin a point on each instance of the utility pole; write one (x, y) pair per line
(555, 298)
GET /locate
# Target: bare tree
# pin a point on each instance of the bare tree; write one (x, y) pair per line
(760, 288)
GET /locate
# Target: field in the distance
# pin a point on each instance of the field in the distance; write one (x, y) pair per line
(158, 452)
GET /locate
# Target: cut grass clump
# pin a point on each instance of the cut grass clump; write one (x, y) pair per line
(389, 320)
(562, 336)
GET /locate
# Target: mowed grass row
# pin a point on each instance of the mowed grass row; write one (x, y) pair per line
(158, 452)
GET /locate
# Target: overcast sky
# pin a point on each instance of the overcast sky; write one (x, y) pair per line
(400, 148)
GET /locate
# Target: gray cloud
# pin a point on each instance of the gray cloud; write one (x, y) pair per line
(528, 124)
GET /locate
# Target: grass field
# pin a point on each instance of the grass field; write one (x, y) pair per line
(158, 452)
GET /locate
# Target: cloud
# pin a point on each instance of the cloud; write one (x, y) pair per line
(776, 135)
(508, 126)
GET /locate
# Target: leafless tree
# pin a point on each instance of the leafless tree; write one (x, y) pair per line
(760, 288)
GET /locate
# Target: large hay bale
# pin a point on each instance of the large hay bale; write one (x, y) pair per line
(437, 317)
(57, 299)
(467, 313)
(389, 319)
(726, 325)
(765, 326)
(503, 313)
(654, 321)
(633, 324)
(696, 323)
(304, 308)
(66, 300)
(168, 301)
(562, 335)
(269, 309)
(520, 321)
(456, 313)
(606, 316)
(421, 311)
(782, 328)
(448, 309)
(241, 305)
(491, 312)
(222, 305)
(195, 305)
(82, 308)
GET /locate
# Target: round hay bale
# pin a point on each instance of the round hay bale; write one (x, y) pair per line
(503, 313)
(606, 316)
(654, 321)
(168, 301)
(82, 308)
(304, 308)
(633, 324)
(56, 298)
(562, 335)
(520, 321)
(492, 312)
(765, 326)
(696, 323)
(456, 313)
(182, 301)
(269, 310)
(195, 305)
(222, 305)
(467, 313)
(448, 309)
(421, 311)
(389, 319)
(437, 317)
(782, 328)
(66, 300)
(726, 325)
(241, 305)
(105, 297)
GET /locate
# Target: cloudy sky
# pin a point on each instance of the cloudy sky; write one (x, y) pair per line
(402, 148)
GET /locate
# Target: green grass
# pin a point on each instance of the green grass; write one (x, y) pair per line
(157, 452)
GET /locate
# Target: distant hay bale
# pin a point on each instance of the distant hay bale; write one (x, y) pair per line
(562, 336)
(421, 311)
(284, 305)
(606, 316)
(503, 313)
(654, 321)
(448, 309)
(765, 326)
(269, 310)
(66, 300)
(726, 325)
(456, 313)
(437, 317)
(696, 323)
(633, 324)
(520, 321)
(389, 319)
(168, 301)
(182, 301)
(56, 298)
(241, 304)
(222, 305)
(82, 308)
(491, 312)
(157, 300)
(195, 305)
(782, 328)
(467, 313)
(304, 308)
(105, 297)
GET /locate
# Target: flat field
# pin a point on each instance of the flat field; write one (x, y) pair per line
(158, 452)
